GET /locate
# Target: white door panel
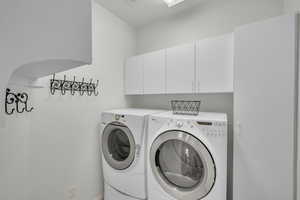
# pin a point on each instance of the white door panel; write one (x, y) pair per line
(264, 110)
(154, 72)
(215, 64)
(134, 75)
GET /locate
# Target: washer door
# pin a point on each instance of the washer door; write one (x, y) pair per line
(118, 146)
(182, 165)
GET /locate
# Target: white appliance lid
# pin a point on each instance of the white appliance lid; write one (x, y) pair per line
(202, 116)
(134, 111)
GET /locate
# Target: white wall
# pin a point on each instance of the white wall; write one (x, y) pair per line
(64, 138)
(13, 154)
(209, 19)
(56, 147)
(31, 33)
(291, 5)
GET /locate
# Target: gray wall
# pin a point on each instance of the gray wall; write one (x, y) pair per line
(291, 5)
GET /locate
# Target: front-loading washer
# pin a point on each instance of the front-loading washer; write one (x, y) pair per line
(123, 134)
(187, 157)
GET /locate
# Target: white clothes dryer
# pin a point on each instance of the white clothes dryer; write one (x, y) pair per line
(187, 157)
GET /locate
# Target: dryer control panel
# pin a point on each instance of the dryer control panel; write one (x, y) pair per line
(213, 128)
(209, 128)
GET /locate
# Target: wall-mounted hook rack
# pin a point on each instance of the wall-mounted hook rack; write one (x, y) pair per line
(73, 86)
(16, 102)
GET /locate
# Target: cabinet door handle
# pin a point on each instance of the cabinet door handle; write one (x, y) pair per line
(193, 85)
(238, 128)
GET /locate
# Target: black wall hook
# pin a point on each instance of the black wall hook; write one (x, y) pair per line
(16, 102)
(73, 86)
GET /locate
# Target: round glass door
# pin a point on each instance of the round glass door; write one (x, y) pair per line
(182, 165)
(118, 146)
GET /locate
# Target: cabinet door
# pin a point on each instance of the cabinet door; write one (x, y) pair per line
(264, 105)
(154, 72)
(180, 69)
(134, 75)
(215, 64)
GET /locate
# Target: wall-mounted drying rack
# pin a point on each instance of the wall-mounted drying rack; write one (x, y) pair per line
(16, 102)
(73, 86)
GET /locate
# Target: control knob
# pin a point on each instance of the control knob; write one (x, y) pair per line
(179, 124)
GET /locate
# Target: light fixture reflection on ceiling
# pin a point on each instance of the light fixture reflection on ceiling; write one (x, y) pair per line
(171, 3)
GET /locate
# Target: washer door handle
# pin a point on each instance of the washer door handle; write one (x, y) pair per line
(138, 150)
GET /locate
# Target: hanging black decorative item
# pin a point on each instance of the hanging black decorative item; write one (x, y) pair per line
(73, 86)
(16, 102)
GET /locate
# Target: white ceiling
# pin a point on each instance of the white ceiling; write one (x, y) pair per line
(141, 12)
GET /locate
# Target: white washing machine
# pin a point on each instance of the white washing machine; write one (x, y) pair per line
(187, 157)
(123, 153)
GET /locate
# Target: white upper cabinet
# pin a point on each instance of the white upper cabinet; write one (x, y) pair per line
(154, 72)
(215, 64)
(202, 67)
(134, 75)
(180, 69)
